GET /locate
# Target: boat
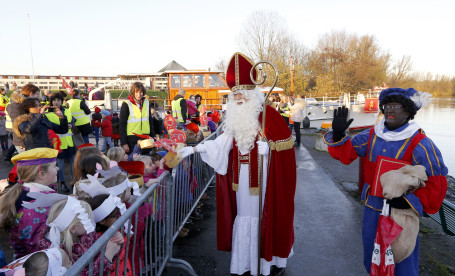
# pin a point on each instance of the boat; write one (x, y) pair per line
(364, 110)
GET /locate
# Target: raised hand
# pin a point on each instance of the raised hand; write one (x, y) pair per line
(340, 122)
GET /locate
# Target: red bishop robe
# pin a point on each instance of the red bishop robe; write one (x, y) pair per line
(277, 226)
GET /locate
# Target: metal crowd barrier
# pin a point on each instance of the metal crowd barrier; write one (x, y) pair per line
(174, 197)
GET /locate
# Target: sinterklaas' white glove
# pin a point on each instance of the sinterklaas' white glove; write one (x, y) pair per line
(263, 148)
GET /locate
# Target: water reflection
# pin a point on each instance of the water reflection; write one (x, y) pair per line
(438, 122)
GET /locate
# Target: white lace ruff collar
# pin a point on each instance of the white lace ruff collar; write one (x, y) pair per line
(395, 135)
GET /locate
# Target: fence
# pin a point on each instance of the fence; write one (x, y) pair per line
(173, 198)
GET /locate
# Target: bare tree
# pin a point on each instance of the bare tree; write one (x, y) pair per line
(402, 74)
(265, 36)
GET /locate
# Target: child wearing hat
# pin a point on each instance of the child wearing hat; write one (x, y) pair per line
(36, 169)
(96, 118)
(49, 262)
(106, 129)
(70, 227)
(115, 128)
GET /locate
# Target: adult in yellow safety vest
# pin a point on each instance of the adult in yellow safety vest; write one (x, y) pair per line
(135, 117)
(179, 108)
(283, 108)
(68, 150)
(4, 100)
(80, 112)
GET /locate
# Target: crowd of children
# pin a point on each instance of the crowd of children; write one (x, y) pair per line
(49, 231)
(39, 219)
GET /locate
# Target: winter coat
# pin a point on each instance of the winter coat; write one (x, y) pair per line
(192, 110)
(183, 106)
(87, 128)
(106, 126)
(34, 127)
(297, 110)
(15, 111)
(2, 127)
(115, 125)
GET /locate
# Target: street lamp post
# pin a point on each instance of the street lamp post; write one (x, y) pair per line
(31, 51)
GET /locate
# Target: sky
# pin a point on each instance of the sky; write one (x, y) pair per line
(107, 38)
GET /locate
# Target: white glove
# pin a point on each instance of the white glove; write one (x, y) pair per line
(263, 148)
(186, 151)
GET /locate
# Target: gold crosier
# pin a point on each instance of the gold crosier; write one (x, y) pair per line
(261, 159)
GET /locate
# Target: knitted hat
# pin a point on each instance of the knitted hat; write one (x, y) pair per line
(36, 156)
(105, 112)
(115, 114)
(97, 110)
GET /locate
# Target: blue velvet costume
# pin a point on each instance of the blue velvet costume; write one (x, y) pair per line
(427, 199)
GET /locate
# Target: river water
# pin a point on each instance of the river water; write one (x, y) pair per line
(438, 122)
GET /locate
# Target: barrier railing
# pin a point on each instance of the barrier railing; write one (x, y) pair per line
(173, 198)
(148, 249)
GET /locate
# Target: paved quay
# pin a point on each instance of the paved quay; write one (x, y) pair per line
(327, 229)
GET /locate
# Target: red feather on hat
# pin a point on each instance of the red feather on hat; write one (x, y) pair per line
(143, 136)
(54, 139)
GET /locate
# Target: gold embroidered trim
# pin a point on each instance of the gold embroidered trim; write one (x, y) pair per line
(235, 187)
(237, 69)
(244, 157)
(282, 144)
(254, 191)
(243, 87)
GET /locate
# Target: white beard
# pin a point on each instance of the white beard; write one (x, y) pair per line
(242, 120)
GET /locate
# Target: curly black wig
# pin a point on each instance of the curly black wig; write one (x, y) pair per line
(407, 104)
(28, 103)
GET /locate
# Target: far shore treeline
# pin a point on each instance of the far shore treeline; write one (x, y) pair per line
(339, 61)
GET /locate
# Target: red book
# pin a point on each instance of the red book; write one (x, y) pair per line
(383, 165)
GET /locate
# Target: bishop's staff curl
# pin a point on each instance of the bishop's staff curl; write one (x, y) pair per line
(261, 173)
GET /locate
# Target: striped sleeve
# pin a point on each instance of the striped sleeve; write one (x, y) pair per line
(428, 155)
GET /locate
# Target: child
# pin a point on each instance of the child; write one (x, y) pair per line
(36, 170)
(153, 166)
(49, 262)
(3, 132)
(106, 212)
(117, 154)
(87, 166)
(70, 227)
(96, 119)
(106, 129)
(115, 128)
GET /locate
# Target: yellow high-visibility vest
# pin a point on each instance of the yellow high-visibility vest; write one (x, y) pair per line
(4, 101)
(177, 110)
(285, 109)
(78, 113)
(8, 122)
(138, 122)
(66, 139)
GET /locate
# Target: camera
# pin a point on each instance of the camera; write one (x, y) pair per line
(51, 109)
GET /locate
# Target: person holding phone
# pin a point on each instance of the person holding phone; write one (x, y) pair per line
(34, 127)
(67, 145)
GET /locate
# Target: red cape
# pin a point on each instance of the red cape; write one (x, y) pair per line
(277, 226)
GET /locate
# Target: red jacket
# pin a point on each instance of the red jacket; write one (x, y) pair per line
(106, 126)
